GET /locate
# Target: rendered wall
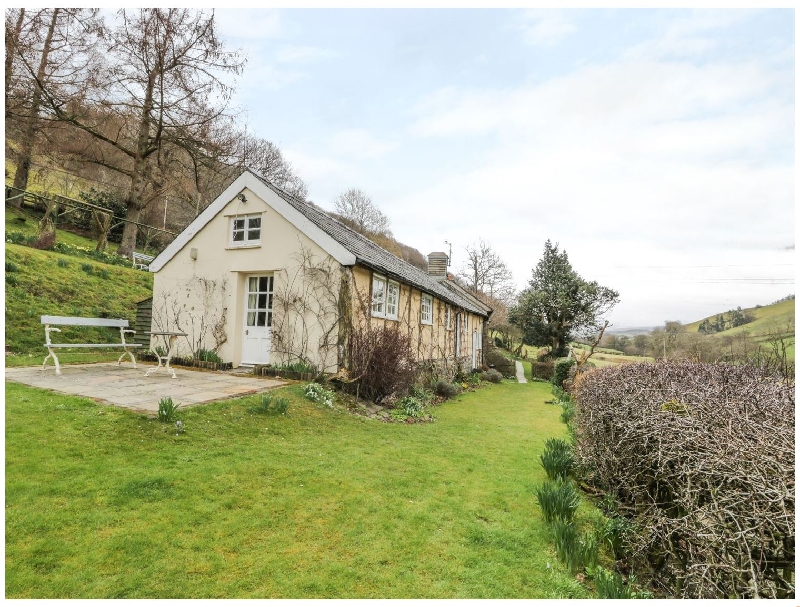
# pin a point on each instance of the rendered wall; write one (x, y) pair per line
(205, 297)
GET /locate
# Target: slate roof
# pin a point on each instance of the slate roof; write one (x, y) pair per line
(377, 258)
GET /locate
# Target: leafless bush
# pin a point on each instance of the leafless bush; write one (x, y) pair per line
(701, 457)
(381, 361)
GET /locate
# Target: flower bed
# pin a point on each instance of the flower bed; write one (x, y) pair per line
(189, 362)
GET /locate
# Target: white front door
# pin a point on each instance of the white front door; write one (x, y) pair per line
(257, 339)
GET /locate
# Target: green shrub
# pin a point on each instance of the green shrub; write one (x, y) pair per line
(63, 263)
(558, 500)
(576, 552)
(11, 267)
(492, 375)
(560, 394)
(561, 371)
(167, 410)
(616, 531)
(297, 367)
(610, 585)
(11, 280)
(445, 389)
(103, 273)
(496, 360)
(567, 411)
(557, 459)
(271, 405)
(208, 356)
(15, 237)
(88, 268)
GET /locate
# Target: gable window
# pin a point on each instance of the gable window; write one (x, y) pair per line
(385, 297)
(245, 230)
(426, 310)
(448, 317)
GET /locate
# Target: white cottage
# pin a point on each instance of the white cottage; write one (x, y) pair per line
(262, 277)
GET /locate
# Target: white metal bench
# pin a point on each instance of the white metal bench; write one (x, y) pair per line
(142, 261)
(86, 322)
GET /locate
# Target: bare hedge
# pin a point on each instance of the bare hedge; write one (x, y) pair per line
(701, 459)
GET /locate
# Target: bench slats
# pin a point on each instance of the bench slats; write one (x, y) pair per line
(84, 322)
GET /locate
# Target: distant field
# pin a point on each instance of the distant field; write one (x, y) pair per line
(606, 357)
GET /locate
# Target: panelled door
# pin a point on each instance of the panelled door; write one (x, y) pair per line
(257, 339)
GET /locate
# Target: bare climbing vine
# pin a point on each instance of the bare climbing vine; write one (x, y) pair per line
(198, 307)
(307, 312)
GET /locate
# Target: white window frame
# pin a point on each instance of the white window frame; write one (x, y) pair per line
(378, 299)
(246, 229)
(422, 317)
(392, 310)
(382, 301)
(448, 317)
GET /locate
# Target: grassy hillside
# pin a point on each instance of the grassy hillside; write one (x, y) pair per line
(43, 282)
(25, 222)
(766, 319)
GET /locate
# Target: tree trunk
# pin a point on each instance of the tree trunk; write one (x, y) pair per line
(133, 203)
(29, 136)
(102, 224)
(135, 200)
(12, 41)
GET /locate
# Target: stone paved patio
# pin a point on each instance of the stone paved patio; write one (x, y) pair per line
(127, 387)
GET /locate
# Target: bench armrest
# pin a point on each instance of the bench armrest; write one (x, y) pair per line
(47, 330)
(128, 331)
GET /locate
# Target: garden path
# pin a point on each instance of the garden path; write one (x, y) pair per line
(520, 372)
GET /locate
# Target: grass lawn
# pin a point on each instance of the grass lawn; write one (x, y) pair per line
(101, 502)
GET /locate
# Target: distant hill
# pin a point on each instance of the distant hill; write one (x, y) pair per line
(778, 315)
(630, 331)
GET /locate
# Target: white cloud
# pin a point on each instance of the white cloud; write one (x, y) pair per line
(361, 144)
(311, 165)
(303, 54)
(545, 27)
(641, 158)
(689, 35)
(249, 24)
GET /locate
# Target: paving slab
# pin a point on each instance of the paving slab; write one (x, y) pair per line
(127, 387)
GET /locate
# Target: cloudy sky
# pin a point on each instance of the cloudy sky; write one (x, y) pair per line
(655, 146)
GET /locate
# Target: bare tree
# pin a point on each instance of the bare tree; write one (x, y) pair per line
(163, 83)
(358, 209)
(51, 49)
(485, 272)
(267, 158)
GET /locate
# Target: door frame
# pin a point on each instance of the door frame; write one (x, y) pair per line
(244, 327)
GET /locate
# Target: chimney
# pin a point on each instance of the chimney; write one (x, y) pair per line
(437, 264)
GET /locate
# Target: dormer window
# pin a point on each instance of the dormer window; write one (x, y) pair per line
(245, 230)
